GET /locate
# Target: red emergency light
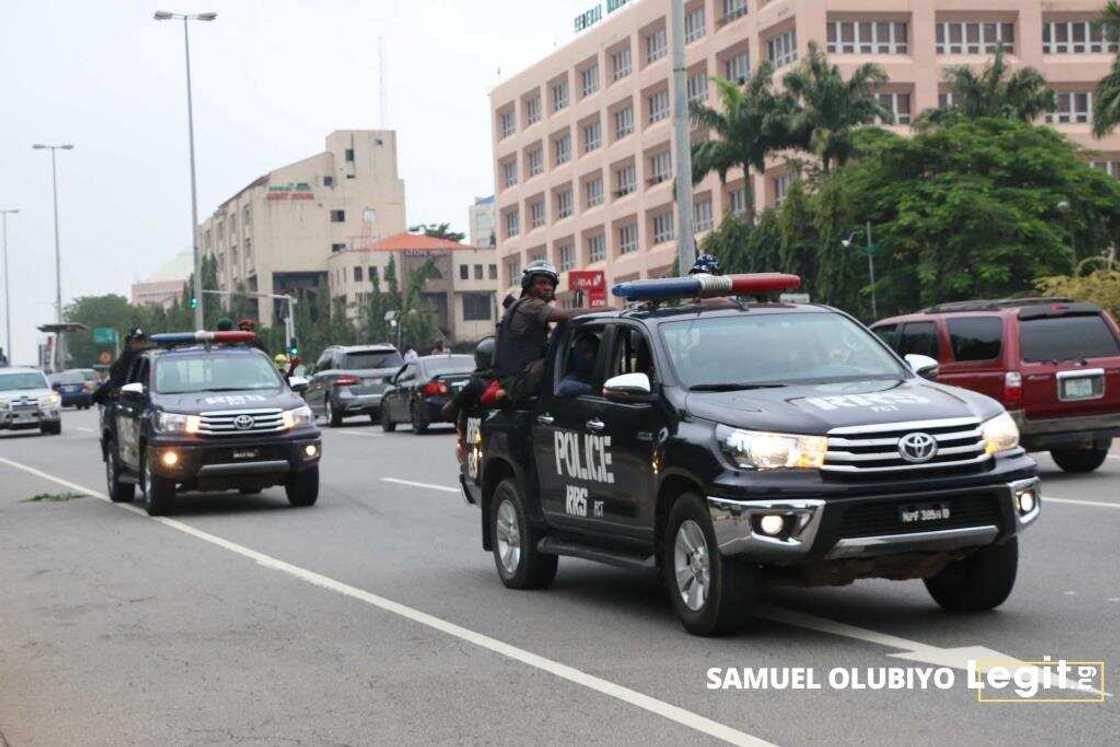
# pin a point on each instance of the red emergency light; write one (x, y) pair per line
(185, 338)
(706, 286)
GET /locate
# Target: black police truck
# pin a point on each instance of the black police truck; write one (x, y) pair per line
(733, 444)
(206, 411)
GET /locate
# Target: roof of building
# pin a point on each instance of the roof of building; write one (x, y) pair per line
(484, 200)
(178, 268)
(404, 242)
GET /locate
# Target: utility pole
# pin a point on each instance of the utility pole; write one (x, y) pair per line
(7, 293)
(871, 267)
(59, 347)
(682, 144)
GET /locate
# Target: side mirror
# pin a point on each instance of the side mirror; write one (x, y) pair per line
(299, 384)
(135, 389)
(634, 387)
(923, 365)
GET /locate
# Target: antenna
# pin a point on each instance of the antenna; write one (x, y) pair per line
(383, 98)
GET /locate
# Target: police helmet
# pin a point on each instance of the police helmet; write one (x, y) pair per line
(136, 333)
(539, 267)
(484, 354)
(706, 264)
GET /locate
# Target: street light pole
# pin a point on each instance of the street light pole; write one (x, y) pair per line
(871, 268)
(162, 15)
(7, 294)
(682, 144)
(60, 358)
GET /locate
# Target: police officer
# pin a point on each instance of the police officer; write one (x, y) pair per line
(135, 342)
(705, 264)
(467, 399)
(523, 331)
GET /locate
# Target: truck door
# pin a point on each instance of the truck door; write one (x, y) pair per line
(128, 412)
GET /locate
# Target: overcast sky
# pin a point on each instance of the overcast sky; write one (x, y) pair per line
(271, 79)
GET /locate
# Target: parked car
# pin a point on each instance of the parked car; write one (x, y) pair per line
(349, 380)
(417, 392)
(76, 387)
(27, 401)
(1053, 363)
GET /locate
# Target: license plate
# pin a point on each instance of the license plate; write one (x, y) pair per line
(246, 453)
(1081, 388)
(458, 385)
(923, 513)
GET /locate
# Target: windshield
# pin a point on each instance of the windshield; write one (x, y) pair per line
(229, 373)
(371, 359)
(451, 365)
(1066, 338)
(12, 382)
(775, 349)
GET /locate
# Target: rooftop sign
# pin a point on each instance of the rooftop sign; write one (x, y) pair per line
(593, 16)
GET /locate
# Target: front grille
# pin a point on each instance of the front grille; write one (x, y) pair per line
(874, 449)
(226, 423)
(876, 518)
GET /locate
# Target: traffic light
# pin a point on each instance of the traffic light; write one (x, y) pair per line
(293, 348)
(194, 302)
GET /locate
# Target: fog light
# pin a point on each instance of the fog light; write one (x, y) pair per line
(169, 459)
(1026, 502)
(772, 524)
(311, 450)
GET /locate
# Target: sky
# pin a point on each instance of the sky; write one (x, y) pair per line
(271, 79)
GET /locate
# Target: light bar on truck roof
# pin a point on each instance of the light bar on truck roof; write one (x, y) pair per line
(706, 286)
(168, 339)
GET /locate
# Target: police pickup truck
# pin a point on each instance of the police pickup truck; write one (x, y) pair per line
(205, 411)
(733, 444)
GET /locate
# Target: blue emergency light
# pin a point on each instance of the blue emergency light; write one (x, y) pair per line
(168, 339)
(706, 286)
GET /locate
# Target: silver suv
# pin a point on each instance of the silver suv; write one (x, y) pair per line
(349, 380)
(27, 401)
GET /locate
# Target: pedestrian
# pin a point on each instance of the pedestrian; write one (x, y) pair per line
(225, 324)
(411, 355)
(135, 342)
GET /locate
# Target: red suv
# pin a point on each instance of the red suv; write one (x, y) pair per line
(1052, 362)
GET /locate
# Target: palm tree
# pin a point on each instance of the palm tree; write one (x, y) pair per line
(748, 126)
(1106, 100)
(1021, 95)
(832, 107)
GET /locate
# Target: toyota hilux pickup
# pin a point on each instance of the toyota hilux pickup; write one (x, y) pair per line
(205, 411)
(732, 444)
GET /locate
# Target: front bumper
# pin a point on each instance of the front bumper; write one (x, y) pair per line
(230, 462)
(815, 529)
(28, 418)
(1086, 430)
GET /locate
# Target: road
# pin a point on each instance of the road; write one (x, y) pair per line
(375, 617)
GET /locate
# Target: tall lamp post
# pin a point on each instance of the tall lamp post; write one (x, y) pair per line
(60, 358)
(870, 251)
(7, 294)
(682, 143)
(163, 15)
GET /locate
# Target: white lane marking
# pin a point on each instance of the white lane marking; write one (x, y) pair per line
(1098, 504)
(83, 430)
(359, 433)
(645, 702)
(429, 486)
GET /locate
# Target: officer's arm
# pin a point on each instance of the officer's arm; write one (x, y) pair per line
(563, 315)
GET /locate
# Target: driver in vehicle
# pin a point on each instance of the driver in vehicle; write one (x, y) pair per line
(581, 366)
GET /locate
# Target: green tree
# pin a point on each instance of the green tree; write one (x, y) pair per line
(419, 324)
(1106, 99)
(438, 231)
(831, 108)
(997, 92)
(1101, 287)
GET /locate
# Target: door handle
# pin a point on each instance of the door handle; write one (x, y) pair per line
(596, 425)
(545, 419)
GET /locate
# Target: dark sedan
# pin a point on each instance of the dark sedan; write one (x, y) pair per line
(418, 391)
(75, 386)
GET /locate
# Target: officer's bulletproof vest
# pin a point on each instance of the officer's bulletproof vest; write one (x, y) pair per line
(514, 352)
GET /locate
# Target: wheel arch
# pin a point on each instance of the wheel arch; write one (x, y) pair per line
(494, 471)
(672, 487)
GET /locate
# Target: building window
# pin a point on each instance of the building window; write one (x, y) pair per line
(567, 255)
(536, 214)
(564, 203)
(246, 217)
(694, 27)
(464, 272)
(592, 136)
(945, 100)
(509, 173)
(596, 248)
(559, 95)
(493, 274)
(867, 37)
(624, 121)
(513, 223)
(1073, 106)
(620, 63)
(328, 181)
(663, 227)
(782, 49)
(702, 215)
(513, 270)
(737, 68)
(350, 155)
(533, 109)
(478, 272)
(589, 80)
(957, 37)
(698, 87)
(1075, 37)
(594, 189)
(657, 46)
(627, 178)
(358, 274)
(782, 183)
(1112, 168)
(338, 216)
(661, 167)
(536, 161)
(476, 307)
(563, 146)
(737, 201)
(898, 104)
(659, 106)
(733, 9)
(505, 123)
(628, 238)
(338, 248)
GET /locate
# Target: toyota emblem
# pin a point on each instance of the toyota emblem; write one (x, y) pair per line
(243, 422)
(917, 448)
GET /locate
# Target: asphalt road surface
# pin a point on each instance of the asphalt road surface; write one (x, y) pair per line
(376, 617)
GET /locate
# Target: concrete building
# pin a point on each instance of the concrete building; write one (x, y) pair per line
(277, 234)
(166, 284)
(462, 291)
(483, 222)
(582, 140)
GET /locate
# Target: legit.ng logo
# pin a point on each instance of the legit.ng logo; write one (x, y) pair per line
(917, 448)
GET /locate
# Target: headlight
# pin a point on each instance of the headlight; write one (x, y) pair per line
(298, 418)
(5, 404)
(1000, 434)
(50, 400)
(770, 451)
(173, 422)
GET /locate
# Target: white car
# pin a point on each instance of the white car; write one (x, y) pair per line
(27, 401)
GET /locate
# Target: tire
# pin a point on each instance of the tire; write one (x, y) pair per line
(520, 565)
(159, 492)
(980, 582)
(333, 416)
(419, 420)
(374, 418)
(51, 429)
(119, 492)
(1079, 460)
(387, 423)
(711, 593)
(303, 489)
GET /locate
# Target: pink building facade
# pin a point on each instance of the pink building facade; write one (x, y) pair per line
(582, 139)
